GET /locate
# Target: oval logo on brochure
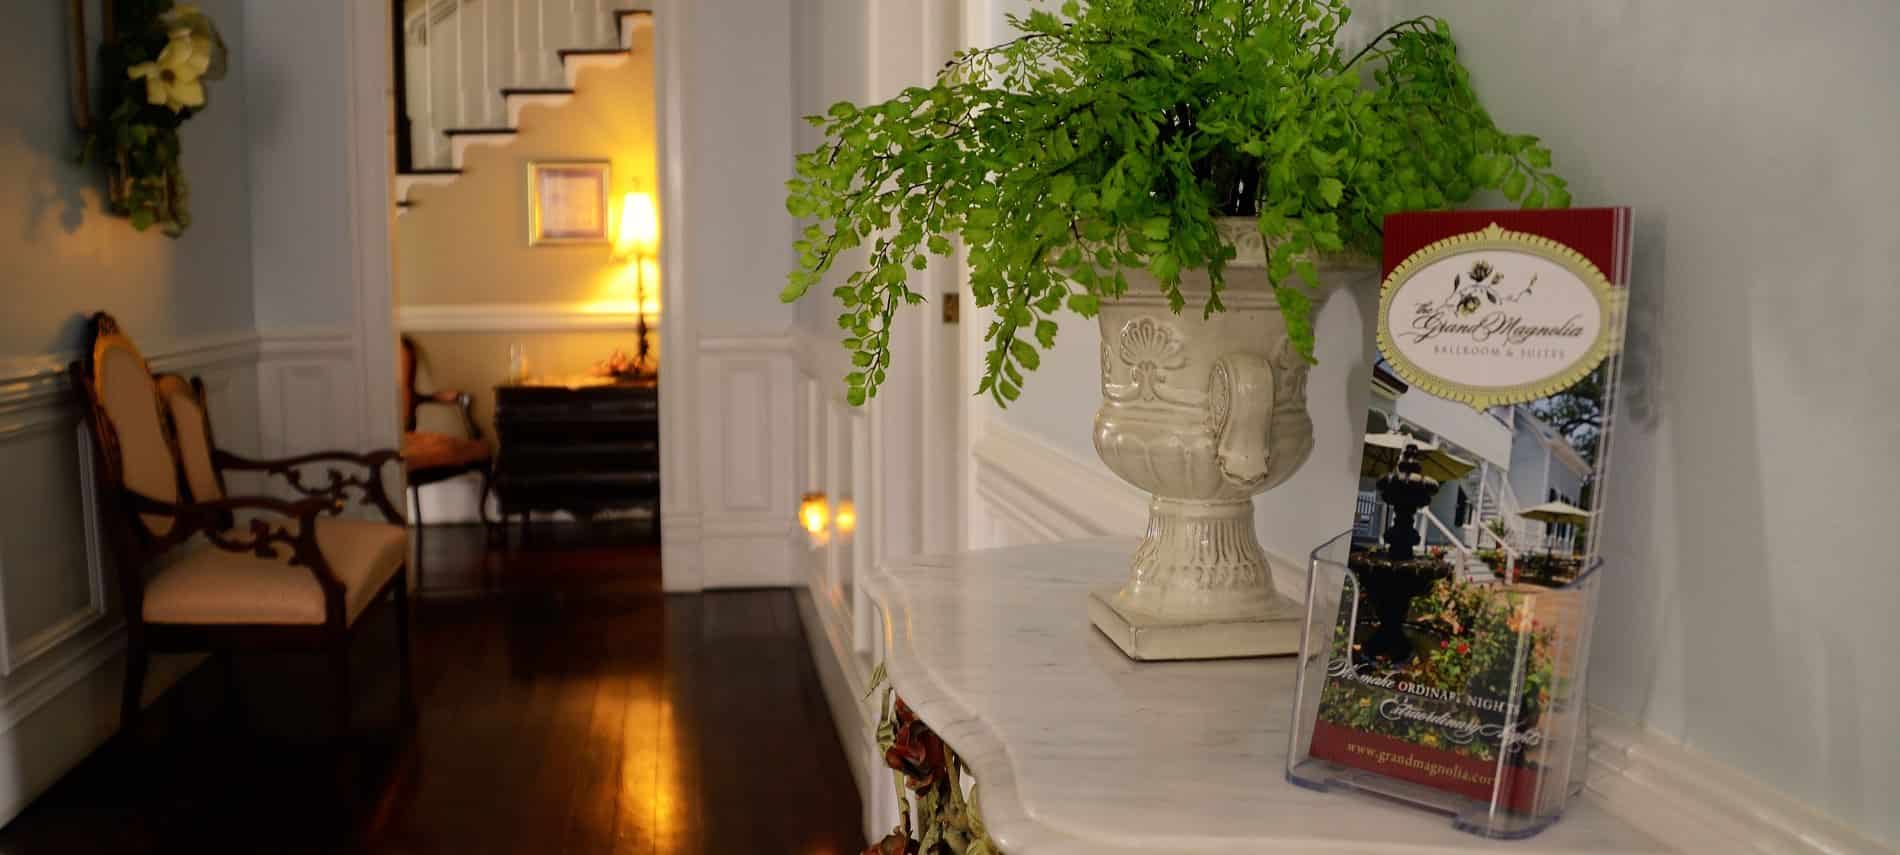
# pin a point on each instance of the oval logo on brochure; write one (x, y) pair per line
(1496, 317)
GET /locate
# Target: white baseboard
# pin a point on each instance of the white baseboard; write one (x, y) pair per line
(76, 712)
(740, 559)
(1037, 493)
(680, 553)
(1691, 801)
(845, 682)
(451, 502)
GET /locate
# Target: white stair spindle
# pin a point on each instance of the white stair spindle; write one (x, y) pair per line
(489, 95)
(461, 70)
(428, 87)
(541, 36)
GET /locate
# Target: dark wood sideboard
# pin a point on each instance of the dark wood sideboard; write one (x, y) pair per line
(582, 448)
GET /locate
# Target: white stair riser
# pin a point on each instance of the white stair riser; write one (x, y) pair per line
(405, 183)
(519, 103)
(631, 24)
(461, 143)
(578, 63)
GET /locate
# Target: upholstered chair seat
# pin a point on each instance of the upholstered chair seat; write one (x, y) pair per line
(425, 450)
(198, 583)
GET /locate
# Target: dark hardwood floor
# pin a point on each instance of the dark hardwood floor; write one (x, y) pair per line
(567, 706)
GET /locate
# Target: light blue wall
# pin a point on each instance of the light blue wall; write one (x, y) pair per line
(739, 94)
(62, 256)
(1748, 607)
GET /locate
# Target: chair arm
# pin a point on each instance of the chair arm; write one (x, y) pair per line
(213, 519)
(460, 400)
(368, 483)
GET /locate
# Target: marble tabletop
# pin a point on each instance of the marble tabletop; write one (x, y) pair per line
(1080, 750)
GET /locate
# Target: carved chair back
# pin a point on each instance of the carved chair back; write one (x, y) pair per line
(408, 375)
(135, 451)
(189, 417)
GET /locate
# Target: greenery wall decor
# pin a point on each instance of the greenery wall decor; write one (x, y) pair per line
(1109, 134)
(155, 57)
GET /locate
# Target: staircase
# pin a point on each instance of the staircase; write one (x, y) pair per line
(468, 68)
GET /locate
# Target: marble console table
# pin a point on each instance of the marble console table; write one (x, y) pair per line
(1079, 750)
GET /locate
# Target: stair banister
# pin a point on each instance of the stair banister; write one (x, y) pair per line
(428, 81)
(399, 81)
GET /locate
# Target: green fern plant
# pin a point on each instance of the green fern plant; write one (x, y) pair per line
(1109, 135)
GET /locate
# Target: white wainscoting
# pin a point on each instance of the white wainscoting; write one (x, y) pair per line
(309, 396)
(747, 411)
(835, 453)
(1030, 492)
(60, 627)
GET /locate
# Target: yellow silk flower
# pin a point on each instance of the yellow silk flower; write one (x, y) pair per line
(173, 80)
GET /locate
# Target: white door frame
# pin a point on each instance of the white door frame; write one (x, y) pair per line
(369, 149)
(681, 566)
(372, 211)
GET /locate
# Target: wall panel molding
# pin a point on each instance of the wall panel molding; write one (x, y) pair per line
(1030, 485)
(308, 392)
(746, 531)
(60, 631)
(25, 636)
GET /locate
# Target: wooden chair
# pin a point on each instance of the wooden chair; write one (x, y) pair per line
(292, 575)
(433, 456)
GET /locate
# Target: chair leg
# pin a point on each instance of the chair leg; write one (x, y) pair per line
(481, 506)
(415, 496)
(340, 678)
(342, 702)
(227, 671)
(407, 687)
(131, 706)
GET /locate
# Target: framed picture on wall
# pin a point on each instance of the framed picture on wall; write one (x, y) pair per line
(567, 202)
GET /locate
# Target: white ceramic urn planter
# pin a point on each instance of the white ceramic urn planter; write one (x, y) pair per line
(1204, 414)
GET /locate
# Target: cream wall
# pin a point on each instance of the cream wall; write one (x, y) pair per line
(466, 242)
(474, 362)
